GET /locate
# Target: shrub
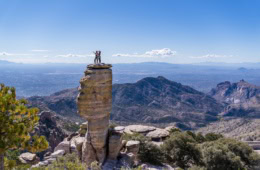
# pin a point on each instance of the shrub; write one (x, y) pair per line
(217, 156)
(182, 150)
(68, 162)
(228, 153)
(148, 152)
(213, 136)
(247, 155)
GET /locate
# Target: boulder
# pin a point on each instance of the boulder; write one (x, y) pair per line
(114, 144)
(132, 146)
(119, 129)
(158, 134)
(28, 158)
(57, 154)
(78, 141)
(64, 145)
(138, 129)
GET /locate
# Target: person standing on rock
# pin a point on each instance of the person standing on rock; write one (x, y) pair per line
(97, 59)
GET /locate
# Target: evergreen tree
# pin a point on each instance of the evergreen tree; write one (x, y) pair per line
(17, 122)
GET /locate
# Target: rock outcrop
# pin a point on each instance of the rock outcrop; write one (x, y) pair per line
(48, 127)
(95, 104)
(28, 158)
(241, 98)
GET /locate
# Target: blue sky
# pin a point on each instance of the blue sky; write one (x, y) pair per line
(128, 31)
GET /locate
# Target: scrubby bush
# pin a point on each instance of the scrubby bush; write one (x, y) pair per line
(68, 162)
(95, 166)
(182, 150)
(217, 156)
(229, 154)
(213, 136)
(148, 152)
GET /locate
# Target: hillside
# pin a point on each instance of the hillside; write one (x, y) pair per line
(150, 100)
(241, 99)
(239, 128)
(63, 103)
(161, 101)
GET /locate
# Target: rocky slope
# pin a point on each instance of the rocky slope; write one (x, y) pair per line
(241, 99)
(161, 101)
(63, 103)
(239, 128)
(150, 100)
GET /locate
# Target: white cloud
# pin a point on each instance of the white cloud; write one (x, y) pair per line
(74, 55)
(39, 50)
(212, 56)
(12, 54)
(161, 53)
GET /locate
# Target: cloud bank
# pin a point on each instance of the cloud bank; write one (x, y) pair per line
(161, 53)
(212, 56)
(74, 55)
(12, 54)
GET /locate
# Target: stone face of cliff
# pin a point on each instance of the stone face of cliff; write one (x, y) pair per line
(241, 99)
(94, 104)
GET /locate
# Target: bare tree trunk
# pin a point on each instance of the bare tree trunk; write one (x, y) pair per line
(1, 161)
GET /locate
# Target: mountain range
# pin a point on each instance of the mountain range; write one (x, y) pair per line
(160, 101)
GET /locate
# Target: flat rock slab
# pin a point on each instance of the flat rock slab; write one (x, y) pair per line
(132, 143)
(139, 128)
(99, 66)
(57, 153)
(158, 133)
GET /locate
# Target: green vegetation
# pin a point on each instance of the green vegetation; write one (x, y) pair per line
(148, 152)
(71, 127)
(191, 151)
(182, 150)
(17, 122)
(68, 162)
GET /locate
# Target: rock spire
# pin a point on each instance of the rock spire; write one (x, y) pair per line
(94, 104)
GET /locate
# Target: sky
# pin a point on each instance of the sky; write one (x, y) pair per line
(130, 31)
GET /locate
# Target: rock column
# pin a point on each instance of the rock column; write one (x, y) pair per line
(94, 104)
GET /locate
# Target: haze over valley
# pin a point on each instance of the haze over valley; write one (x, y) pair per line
(45, 79)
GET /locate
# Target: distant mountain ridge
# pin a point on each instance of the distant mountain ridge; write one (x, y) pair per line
(161, 101)
(241, 99)
(150, 100)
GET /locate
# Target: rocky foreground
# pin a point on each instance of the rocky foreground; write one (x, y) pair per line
(121, 153)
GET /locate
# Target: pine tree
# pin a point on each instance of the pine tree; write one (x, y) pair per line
(17, 121)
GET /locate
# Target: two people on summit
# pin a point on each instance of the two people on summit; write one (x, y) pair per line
(97, 59)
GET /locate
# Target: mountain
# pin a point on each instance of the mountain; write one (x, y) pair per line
(241, 98)
(63, 103)
(150, 100)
